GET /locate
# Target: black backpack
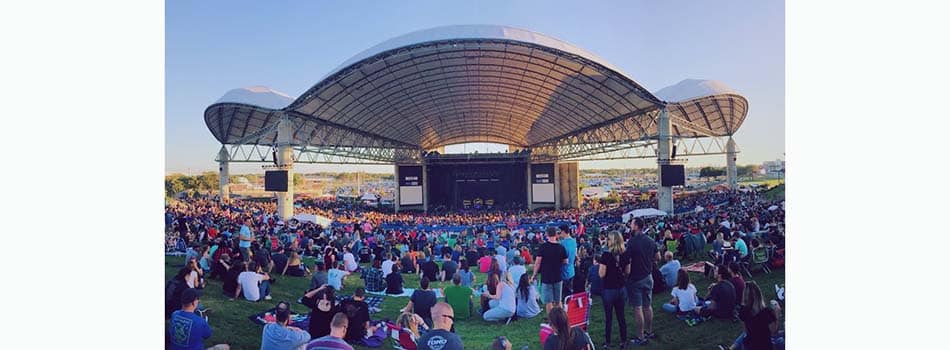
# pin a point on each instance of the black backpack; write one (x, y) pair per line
(173, 290)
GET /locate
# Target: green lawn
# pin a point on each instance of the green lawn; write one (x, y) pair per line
(230, 324)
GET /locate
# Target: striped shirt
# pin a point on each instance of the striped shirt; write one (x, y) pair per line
(328, 343)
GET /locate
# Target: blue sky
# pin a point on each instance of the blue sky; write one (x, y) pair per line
(215, 46)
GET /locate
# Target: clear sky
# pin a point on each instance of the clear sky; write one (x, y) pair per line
(215, 46)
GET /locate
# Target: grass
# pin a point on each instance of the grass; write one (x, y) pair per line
(776, 193)
(230, 324)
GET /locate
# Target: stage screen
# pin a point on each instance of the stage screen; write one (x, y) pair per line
(542, 193)
(275, 181)
(410, 195)
(410, 185)
(672, 175)
(542, 183)
(477, 185)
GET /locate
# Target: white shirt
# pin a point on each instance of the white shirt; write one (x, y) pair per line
(387, 267)
(249, 285)
(335, 278)
(192, 279)
(686, 298)
(516, 272)
(349, 261)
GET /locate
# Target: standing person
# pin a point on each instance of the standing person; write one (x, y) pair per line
(280, 335)
(245, 237)
(422, 300)
(188, 330)
(256, 285)
(334, 341)
(613, 264)
(440, 338)
(567, 271)
(551, 256)
(642, 253)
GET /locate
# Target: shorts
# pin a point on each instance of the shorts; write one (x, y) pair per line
(640, 292)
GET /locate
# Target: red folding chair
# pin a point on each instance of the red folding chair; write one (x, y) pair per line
(577, 307)
(402, 338)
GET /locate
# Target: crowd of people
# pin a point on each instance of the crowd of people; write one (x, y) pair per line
(531, 259)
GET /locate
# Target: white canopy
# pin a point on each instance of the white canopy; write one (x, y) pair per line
(368, 197)
(774, 207)
(647, 212)
(317, 219)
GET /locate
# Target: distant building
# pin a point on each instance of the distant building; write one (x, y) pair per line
(774, 168)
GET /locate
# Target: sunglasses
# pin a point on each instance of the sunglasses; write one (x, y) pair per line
(449, 317)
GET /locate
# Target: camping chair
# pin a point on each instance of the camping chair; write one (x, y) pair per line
(757, 258)
(577, 307)
(402, 338)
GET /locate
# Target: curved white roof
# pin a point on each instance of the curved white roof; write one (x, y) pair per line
(473, 83)
(472, 31)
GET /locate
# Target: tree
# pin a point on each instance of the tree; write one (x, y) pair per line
(173, 186)
(298, 180)
(711, 172)
(206, 181)
(747, 170)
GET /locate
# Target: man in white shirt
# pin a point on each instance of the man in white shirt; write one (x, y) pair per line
(255, 285)
(335, 278)
(388, 264)
(349, 260)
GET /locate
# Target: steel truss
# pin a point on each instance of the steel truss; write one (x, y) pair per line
(648, 149)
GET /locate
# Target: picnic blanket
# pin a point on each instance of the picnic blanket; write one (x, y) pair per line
(298, 320)
(406, 292)
(696, 267)
(302, 321)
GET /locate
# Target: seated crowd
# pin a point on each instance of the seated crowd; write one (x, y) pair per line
(248, 250)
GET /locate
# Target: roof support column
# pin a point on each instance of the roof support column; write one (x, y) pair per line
(731, 174)
(224, 175)
(527, 182)
(425, 188)
(664, 194)
(557, 187)
(285, 161)
(396, 195)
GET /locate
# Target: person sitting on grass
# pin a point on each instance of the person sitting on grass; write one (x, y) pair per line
(669, 269)
(527, 297)
(440, 337)
(684, 295)
(394, 281)
(484, 263)
(357, 314)
(338, 327)
(295, 266)
(336, 276)
(422, 301)
(322, 303)
(737, 281)
(721, 300)
(187, 330)
(564, 337)
(280, 335)
(428, 268)
(760, 321)
(501, 303)
(468, 278)
(319, 276)
(459, 297)
(449, 267)
(413, 322)
(373, 277)
(254, 283)
(517, 268)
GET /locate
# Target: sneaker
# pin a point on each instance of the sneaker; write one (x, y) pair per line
(649, 335)
(639, 342)
(267, 297)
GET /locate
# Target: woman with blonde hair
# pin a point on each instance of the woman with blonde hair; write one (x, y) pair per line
(412, 322)
(613, 266)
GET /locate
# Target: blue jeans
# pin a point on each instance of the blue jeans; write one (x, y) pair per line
(496, 313)
(614, 303)
(264, 289)
(670, 308)
(551, 292)
(246, 254)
